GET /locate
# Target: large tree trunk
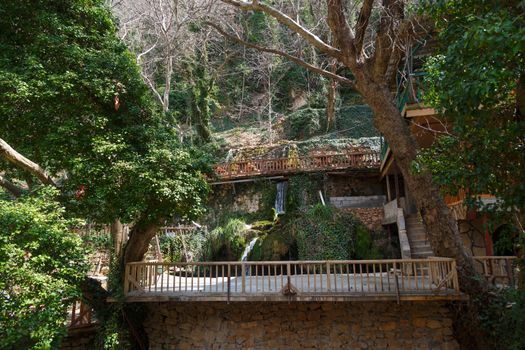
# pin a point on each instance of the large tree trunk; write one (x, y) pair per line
(139, 238)
(441, 227)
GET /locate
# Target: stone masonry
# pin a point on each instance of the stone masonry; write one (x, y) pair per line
(360, 325)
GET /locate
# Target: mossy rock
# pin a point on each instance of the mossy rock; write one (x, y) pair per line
(273, 246)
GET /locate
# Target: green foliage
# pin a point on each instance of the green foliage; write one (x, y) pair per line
(503, 317)
(73, 101)
(97, 240)
(41, 265)
(226, 243)
(183, 246)
(303, 190)
(325, 233)
(478, 94)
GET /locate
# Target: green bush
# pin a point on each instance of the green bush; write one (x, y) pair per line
(181, 247)
(41, 264)
(226, 243)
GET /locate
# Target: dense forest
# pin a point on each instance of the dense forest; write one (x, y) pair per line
(114, 113)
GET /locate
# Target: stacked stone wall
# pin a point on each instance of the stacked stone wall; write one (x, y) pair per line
(360, 325)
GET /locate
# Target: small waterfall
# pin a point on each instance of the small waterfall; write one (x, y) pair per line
(280, 198)
(248, 249)
(229, 156)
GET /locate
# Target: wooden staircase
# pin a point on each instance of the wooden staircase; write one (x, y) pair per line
(417, 237)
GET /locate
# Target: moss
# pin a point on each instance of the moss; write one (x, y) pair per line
(326, 233)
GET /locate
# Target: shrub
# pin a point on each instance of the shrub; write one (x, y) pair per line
(41, 265)
(226, 243)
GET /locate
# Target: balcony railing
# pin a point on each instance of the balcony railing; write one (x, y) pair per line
(407, 279)
(278, 166)
(498, 270)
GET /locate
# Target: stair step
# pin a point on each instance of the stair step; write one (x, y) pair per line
(420, 244)
(421, 251)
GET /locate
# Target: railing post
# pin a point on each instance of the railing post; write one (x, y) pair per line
(328, 286)
(229, 287)
(455, 282)
(243, 278)
(126, 281)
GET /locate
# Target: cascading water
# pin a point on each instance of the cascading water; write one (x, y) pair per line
(280, 198)
(229, 156)
(247, 251)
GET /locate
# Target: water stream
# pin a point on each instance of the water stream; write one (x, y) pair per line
(248, 249)
(280, 198)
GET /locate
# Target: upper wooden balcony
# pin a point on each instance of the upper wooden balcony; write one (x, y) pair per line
(359, 160)
(299, 281)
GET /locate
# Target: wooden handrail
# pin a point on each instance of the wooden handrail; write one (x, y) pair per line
(269, 166)
(80, 315)
(413, 276)
(498, 270)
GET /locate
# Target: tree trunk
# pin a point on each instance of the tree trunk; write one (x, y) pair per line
(117, 235)
(139, 239)
(441, 227)
(330, 104)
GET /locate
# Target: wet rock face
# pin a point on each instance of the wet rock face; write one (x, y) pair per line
(360, 325)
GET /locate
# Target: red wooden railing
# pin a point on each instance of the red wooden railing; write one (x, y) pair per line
(275, 166)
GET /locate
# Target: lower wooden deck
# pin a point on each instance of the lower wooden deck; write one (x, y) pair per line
(294, 281)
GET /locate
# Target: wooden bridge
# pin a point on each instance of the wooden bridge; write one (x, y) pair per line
(361, 160)
(352, 280)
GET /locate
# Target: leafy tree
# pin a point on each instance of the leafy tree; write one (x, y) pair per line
(41, 265)
(73, 101)
(483, 97)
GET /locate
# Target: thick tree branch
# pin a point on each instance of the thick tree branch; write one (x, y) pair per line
(362, 24)
(294, 59)
(11, 187)
(388, 39)
(288, 22)
(11, 155)
(342, 32)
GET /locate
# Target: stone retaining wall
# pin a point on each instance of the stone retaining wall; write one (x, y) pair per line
(362, 325)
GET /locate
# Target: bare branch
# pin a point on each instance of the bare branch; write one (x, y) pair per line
(294, 59)
(12, 156)
(11, 187)
(288, 22)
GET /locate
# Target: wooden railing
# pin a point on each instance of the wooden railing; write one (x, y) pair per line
(180, 229)
(80, 315)
(339, 161)
(498, 270)
(394, 278)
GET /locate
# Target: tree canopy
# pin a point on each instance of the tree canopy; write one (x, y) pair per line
(74, 102)
(477, 80)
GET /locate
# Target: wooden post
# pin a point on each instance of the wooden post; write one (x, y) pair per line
(396, 185)
(328, 286)
(243, 278)
(229, 288)
(126, 282)
(455, 282)
(388, 193)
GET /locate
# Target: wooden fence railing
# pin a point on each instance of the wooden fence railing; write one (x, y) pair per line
(363, 277)
(80, 315)
(253, 167)
(498, 270)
